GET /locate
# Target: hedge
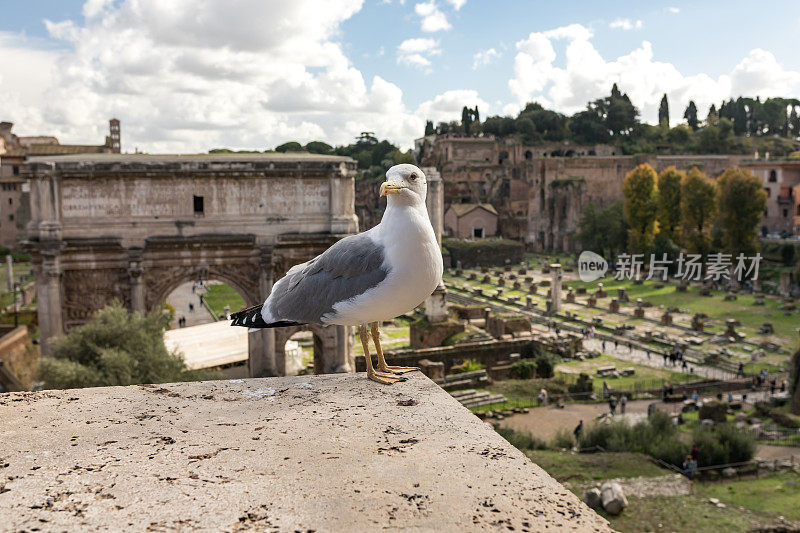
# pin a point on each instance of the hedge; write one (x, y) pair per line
(484, 252)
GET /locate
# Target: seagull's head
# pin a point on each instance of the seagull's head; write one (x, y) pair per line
(405, 183)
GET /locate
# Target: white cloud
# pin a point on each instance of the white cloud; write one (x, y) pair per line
(448, 105)
(244, 74)
(484, 57)
(457, 4)
(674, 9)
(416, 52)
(433, 19)
(586, 76)
(626, 24)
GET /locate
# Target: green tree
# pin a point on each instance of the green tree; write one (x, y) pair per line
(669, 203)
(319, 147)
(679, 135)
(742, 201)
(698, 207)
(663, 112)
(640, 190)
(794, 382)
(713, 116)
(603, 230)
(292, 146)
(429, 129)
(116, 348)
(691, 115)
(466, 119)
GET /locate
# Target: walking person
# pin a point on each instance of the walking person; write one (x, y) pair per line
(648, 354)
(689, 467)
(612, 405)
(623, 401)
(578, 431)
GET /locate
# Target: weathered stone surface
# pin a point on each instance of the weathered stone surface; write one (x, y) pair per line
(728, 472)
(612, 497)
(329, 453)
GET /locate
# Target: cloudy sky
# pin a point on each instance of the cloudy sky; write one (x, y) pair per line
(188, 75)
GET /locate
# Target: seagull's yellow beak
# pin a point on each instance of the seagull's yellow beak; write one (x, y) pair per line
(390, 187)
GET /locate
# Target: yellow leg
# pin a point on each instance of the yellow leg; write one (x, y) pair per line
(382, 366)
(380, 377)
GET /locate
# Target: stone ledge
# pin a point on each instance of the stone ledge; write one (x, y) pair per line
(328, 453)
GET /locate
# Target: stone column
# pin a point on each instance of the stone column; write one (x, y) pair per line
(434, 201)
(555, 288)
(436, 303)
(48, 294)
(344, 361)
(135, 271)
(261, 343)
(10, 268)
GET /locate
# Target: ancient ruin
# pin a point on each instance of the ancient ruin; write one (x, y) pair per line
(134, 227)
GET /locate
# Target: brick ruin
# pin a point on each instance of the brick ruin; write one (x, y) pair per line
(540, 191)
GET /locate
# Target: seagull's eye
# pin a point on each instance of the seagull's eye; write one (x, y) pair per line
(412, 177)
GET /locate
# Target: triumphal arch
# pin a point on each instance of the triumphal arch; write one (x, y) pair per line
(134, 227)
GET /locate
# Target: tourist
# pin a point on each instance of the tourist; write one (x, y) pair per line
(542, 397)
(623, 401)
(616, 344)
(648, 354)
(689, 467)
(191, 308)
(664, 355)
(630, 346)
(612, 405)
(695, 396)
(772, 386)
(578, 431)
(604, 345)
(730, 398)
(695, 453)
(740, 371)
(783, 385)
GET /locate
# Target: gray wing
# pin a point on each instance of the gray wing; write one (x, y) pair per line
(347, 269)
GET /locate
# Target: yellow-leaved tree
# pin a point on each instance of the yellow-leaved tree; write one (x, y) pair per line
(742, 201)
(698, 209)
(640, 189)
(669, 203)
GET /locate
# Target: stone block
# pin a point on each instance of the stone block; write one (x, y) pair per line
(622, 295)
(423, 334)
(591, 301)
(613, 306)
(581, 290)
(730, 297)
(592, 498)
(638, 312)
(666, 318)
(612, 497)
(433, 369)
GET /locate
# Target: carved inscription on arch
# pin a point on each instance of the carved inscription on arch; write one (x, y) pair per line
(88, 291)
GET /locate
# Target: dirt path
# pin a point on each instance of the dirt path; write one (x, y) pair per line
(645, 487)
(544, 422)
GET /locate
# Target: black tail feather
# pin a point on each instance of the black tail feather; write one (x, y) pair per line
(251, 318)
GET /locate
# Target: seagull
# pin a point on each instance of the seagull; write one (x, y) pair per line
(365, 278)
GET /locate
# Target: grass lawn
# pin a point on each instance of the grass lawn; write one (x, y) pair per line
(218, 296)
(777, 495)
(644, 375)
(714, 306)
(583, 467)
(683, 514)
